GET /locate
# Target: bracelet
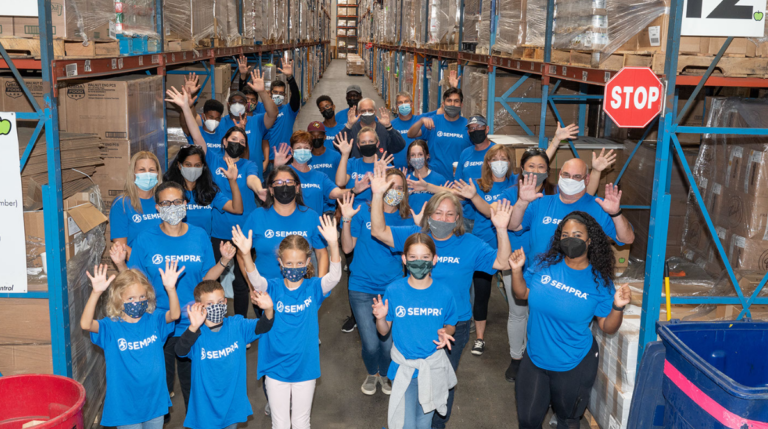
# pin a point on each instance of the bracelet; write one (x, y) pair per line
(225, 266)
(618, 308)
(617, 214)
(346, 219)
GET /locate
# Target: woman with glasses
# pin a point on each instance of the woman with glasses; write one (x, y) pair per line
(189, 245)
(356, 173)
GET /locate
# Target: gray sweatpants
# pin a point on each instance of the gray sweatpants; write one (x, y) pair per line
(517, 322)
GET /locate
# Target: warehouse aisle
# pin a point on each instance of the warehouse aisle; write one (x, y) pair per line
(484, 400)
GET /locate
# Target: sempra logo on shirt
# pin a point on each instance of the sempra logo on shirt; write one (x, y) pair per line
(220, 172)
(316, 166)
(472, 163)
(401, 311)
(547, 280)
(355, 175)
(137, 218)
(547, 220)
(310, 185)
(158, 258)
(135, 345)
(454, 135)
(217, 354)
(197, 207)
(448, 260)
(368, 225)
(282, 234)
(296, 308)
(214, 146)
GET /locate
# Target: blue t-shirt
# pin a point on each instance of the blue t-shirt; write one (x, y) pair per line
(416, 316)
(471, 163)
(516, 239)
(193, 251)
(357, 167)
(224, 221)
(219, 395)
(126, 222)
(484, 228)
(201, 216)
(282, 129)
(562, 302)
(417, 199)
(212, 140)
(255, 132)
(270, 228)
(457, 260)
(331, 132)
(136, 389)
(289, 352)
(446, 142)
(316, 188)
(375, 264)
(327, 163)
(403, 127)
(341, 117)
(544, 214)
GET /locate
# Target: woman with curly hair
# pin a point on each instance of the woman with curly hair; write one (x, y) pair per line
(565, 287)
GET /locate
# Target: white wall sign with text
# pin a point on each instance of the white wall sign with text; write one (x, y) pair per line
(13, 249)
(724, 18)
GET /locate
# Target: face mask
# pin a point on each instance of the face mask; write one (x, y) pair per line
(191, 173)
(173, 214)
(404, 109)
(252, 106)
(328, 113)
(452, 111)
(352, 102)
(318, 143)
(284, 194)
(135, 309)
(570, 186)
(278, 99)
(417, 163)
(237, 109)
(368, 150)
(419, 269)
(302, 155)
(234, 150)
(393, 197)
(367, 118)
(477, 136)
(211, 124)
(440, 229)
(146, 181)
(540, 177)
(216, 312)
(293, 274)
(573, 247)
(499, 168)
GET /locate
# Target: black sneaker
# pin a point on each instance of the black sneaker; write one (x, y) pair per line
(511, 372)
(349, 325)
(478, 348)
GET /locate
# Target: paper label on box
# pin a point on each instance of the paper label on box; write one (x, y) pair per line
(703, 182)
(689, 255)
(73, 228)
(613, 423)
(755, 157)
(654, 35)
(716, 188)
(720, 232)
(736, 152)
(112, 30)
(740, 241)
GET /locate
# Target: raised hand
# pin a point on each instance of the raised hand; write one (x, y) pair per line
(443, 339)
(346, 205)
(352, 116)
(282, 155)
(191, 84)
(287, 69)
(257, 81)
(197, 315)
(227, 251)
(171, 274)
(417, 216)
(118, 253)
(99, 280)
(418, 185)
(242, 66)
(242, 242)
(261, 299)
(380, 309)
(527, 189)
(464, 189)
(242, 121)
(362, 182)
(428, 123)
(612, 202)
(231, 171)
(379, 183)
(341, 142)
(517, 259)
(384, 116)
(568, 133)
(328, 229)
(500, 216)
(454, 79)
(600, 163)
(622, 296)
(385, 159)
(180, 99)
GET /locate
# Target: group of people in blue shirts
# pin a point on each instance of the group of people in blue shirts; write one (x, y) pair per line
(426, 209)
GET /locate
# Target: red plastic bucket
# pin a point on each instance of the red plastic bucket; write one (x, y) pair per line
(57, 401)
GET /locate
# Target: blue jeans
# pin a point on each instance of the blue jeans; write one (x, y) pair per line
(375, 347)
(415, 417)
(156, 423)
(462, 338)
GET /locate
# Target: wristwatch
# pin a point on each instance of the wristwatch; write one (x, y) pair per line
(617, 214)
(618, 308)
(227, 265)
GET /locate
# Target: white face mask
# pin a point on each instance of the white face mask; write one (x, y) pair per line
(237, 109)
(211, 124)
(570, 186)
(499, 168)
(278, 99)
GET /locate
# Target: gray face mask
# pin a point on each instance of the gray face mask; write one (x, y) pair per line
(452, 111)
(173, 214)
(191, 173)
(440, 229)
(540, 177)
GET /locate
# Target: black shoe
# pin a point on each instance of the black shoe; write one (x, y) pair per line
(167, 418)
(511, 372)
(349, 325)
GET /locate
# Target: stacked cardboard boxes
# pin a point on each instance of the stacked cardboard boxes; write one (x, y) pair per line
(355, 65)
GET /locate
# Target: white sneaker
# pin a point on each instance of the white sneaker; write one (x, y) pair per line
(248, 346)
(386, 385)
(369, 385)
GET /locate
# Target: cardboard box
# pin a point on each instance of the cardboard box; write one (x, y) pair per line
(6, 26)
(222, 81)
(622, 255)
(13, 98)
(72, 20)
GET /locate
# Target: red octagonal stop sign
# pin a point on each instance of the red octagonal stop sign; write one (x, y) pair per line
(633, 97)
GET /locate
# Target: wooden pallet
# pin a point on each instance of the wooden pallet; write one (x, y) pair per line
(529, 53)
(212, 43)
(696, 65)
(62, 48)
(596, 59)
(95, 48)
(179, 45)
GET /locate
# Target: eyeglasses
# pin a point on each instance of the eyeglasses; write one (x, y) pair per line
(536, 151)
(576, 177)
(476, 128)
(289, 182)
(167, 203)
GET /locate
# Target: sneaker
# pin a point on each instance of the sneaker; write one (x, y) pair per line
(478, 348)
(248, 346)
(369, 385)
(172, 394)
(386, 385)
(472, 326)
(511, 372)
(267, 411)
(349, 325)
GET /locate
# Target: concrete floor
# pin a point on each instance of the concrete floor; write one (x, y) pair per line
(484, 399)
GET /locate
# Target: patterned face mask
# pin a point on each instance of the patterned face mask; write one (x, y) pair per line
(135, 309)
(293, 274)
(216, 312)
(173, 214)
(393, 197)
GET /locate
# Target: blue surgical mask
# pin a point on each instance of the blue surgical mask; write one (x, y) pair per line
(404, 109)
(146, 181)
(135, 309)
(302, 155)
(278, 99)
(293, 274)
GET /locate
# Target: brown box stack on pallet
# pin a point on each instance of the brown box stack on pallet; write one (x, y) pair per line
(355, 65)
(444, 24)
(187, 23)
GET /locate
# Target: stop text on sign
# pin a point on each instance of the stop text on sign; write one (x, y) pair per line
(643, 98)
(633, 97)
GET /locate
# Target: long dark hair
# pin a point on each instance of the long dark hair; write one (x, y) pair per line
(548, 188)
(599, 252)
(246, 153)
(270, 201)
(423, 145)
(205, 189)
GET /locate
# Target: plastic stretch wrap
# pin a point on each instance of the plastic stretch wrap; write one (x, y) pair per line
(97, 19)
(443, 21)
(434, 84)
(475, 88)
(508, 28)
(252, 27)
(136, 18)
(188, 19)
(484, 27)
(472, 11)
(413, 10)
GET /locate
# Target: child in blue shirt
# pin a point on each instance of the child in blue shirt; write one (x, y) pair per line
(216, 346)
(132, 337)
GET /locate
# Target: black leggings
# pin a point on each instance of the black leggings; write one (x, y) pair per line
(184, 366)
(567, 392)
(482, 294)
(239, 286)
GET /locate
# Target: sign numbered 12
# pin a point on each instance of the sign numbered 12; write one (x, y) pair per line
(724, 18)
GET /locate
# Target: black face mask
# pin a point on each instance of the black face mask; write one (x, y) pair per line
(573, 247)
(327, 113)
(368, 150)
(234, 150)
(352, 101)
(284, 194)
(477, 137)
(318, 143)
